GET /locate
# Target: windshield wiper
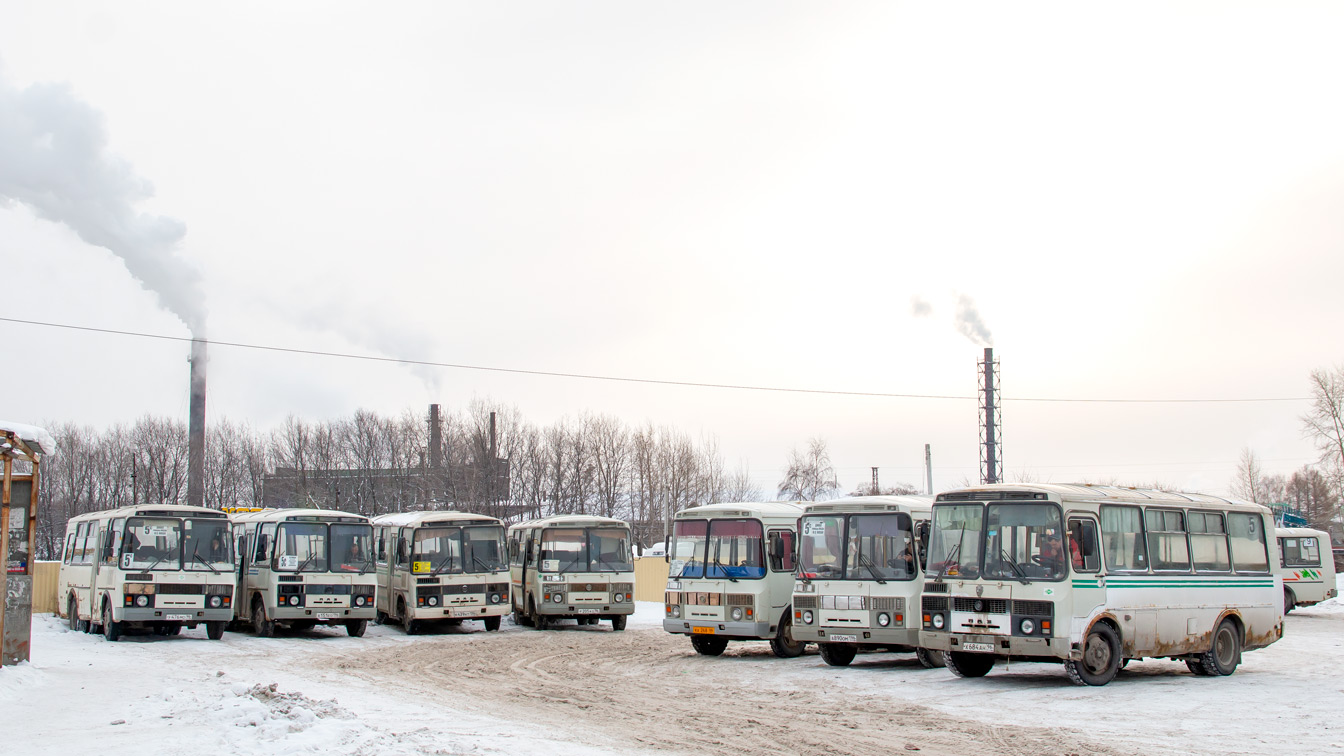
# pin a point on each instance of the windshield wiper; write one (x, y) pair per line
(724, 570)
(485, 566)
(442, 566)
(1021, 576)
(951, 556)
(196, 557)
(156, 563)
(305, 561)
(866, 562)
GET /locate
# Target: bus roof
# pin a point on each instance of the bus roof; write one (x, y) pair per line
(571, 521)
(907, 503)
(1099, 494)
(151, 510)
(792, 509)
(417, 519)
(282, 515)
(1301, 533)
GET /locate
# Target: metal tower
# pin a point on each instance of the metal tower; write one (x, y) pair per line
(991, 420)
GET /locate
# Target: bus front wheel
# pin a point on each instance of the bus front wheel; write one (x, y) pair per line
(966, 664)
(491, 624)
(708, 645)
(215, 630)
(356, 628)
(1224, 655)
(1101, 657)
(837, 654)
(618, 622)
(263, 627)
(783, 644)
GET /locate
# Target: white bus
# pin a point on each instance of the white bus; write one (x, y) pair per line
(1306, 566)
(571, 566)
(155, 567)
(860, 573)
(440, 567)
(730, 576)
(301, 567)
(1140, 574)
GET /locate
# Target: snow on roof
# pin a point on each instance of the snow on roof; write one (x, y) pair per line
(37, 439)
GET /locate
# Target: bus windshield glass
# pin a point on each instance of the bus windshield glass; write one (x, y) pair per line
(351, 548)
(735, 549)
(688, 549)
(205, 544)
(610, 550)
(1024, 542)
(880, 547)
(820, 546)
(438, 551)
(301, 547)
(954, 547)
(152, 543)
(484, 548)
(585, 550)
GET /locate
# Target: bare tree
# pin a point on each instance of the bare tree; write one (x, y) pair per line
(1312, 494)
(1324, 422)
(739, 486)
(810, 475)
(1248, 481)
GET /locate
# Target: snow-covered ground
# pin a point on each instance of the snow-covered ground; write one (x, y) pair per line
(464, 691)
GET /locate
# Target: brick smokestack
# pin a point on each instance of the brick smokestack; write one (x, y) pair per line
(196, 427)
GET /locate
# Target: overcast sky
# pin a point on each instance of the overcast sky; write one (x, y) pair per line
(1140, 201)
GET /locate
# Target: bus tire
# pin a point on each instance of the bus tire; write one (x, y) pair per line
(1289, 600)
(539, 621)
(1224, 653)
(837, 654)
(1196, 667)
(618, 622)
(263, 627)
(73, 607)
(215, 630)
(111, 630)
(708, 645)
(356, 628)
(520, 618)
(966, 664)
(491, 624)
(783, 644)
(1101, 657)
(930, 659)
(380, 617)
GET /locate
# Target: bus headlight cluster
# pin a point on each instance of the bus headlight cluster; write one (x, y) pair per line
(737, 614)
(359, 601)
(675, 611)
(807, 617)
(558, 598)
(884, 619)
(293, 600)
(432, 601)
(142, 600)
(216, 602)
(618, 598)
(495, 598)
(938, 622)
(1027, 627)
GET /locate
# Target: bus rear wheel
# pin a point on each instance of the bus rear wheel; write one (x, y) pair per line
(111, 630)
(929, 659)
(1289, 600)
(966, 664)
(837, 654)
(1101, 657)
(1224, 655)
(708, 645)
(783, 644)
(75, 623)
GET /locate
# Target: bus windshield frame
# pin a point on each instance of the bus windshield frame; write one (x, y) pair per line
(206, 544)
(861, 546)
(718, 548)
(140, 555)
(599, 548)
(465, 550)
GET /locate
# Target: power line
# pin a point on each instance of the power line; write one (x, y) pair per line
(625, 379)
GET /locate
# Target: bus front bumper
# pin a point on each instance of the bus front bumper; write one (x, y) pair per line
(551, 609)
(471, 611)
(748, 630)
(186, 616)
(324, 614)
(1003, 645)
(875, 636)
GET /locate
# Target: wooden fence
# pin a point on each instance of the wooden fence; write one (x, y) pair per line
(45, 576)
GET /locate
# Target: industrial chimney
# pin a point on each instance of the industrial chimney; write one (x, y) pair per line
(196, 427)
(991, 453)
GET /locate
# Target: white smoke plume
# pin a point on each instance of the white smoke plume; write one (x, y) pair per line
(970, 324)
(54, 159)
(920, 308)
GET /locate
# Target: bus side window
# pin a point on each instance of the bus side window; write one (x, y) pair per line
(403, 558)
(382, 545)
(263, 551)
(69, 547)
(1083, 545)
(781, 551)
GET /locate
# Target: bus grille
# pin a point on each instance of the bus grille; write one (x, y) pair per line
(887, 604)
(992, 606)
(936, 587)
(180, 589)
(804, 602)
(740, 599)
(623, 587)
(1035, 608)
(935, 603)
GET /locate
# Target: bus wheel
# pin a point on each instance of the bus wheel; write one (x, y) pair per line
(491, 624)
(520, 619)
(1224, 655)
(111, 630)
(356, 628)
(73, 608)
(380, 618)
(708, 645)
(966, 664)
(618, 622)
(1101, 657)
(929, 659)
(837, 654)
(263, 627)
(783, 644)
(539, 621)
(1289, 600)
(215, 630)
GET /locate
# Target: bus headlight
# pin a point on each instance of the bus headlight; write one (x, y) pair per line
(618, 598)
(216, 602)
(432, 600)
(676, 611)
(807, 617)
(142, 600)
(293, 600)
(737, 614)
(938, 622)
(884, 619)
(494, 598)
(1027, 626)
(359, 601)
(559, 598)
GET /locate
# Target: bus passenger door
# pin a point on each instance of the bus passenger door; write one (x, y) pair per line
(1087, 583)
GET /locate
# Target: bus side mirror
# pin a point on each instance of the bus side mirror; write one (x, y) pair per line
(263, 547)
(777, 549)
(667, 549)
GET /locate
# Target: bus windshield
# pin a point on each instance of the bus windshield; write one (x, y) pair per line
(438, 550)
(954, 547)
(205, 544)
(484, 548)
(152, 543)
(586, 550)
(876, 547)
(719, 549)
(351, 548)
(301, 547)
(1024, 542)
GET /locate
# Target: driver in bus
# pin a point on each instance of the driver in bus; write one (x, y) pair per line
(1052, 553)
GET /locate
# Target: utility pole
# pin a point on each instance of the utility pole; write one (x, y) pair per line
(928, 468)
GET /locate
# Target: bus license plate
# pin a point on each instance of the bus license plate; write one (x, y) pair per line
(463, 612)
(586, 611)
(984, 648)
(702, 631)
(177, 617)
(844, 639)
(326, 615)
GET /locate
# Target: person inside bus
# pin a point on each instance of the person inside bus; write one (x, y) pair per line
(1052, 554)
